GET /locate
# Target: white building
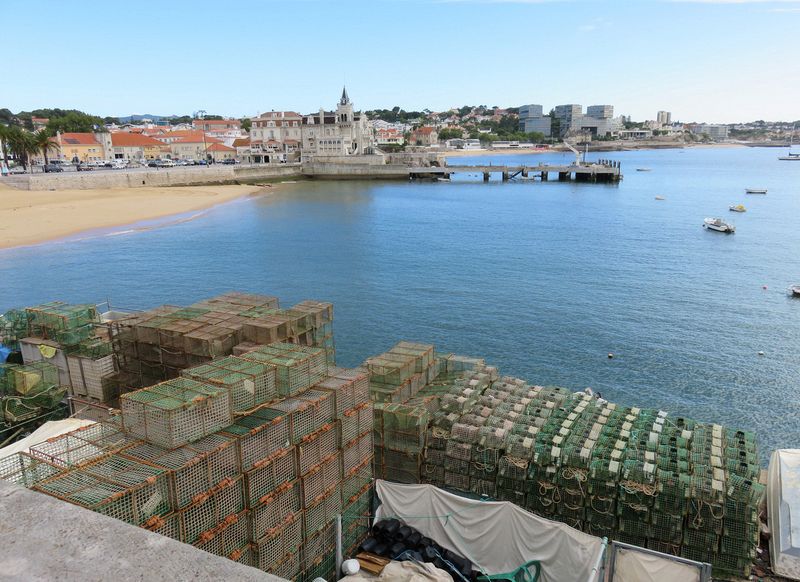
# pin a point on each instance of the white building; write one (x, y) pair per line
(531, 118)
(274, 134)
(714, 131)
(343, 132)
(664, 118)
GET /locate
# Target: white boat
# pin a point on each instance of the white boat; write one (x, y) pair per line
(795, 290)
(737, 208)
(659, 197)
(643, 169)
(755, 190)
(719, 225)
(790, 155)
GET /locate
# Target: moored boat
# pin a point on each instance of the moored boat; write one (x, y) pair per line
(719, 225)
(755, 190)
(737, 208)
(795, 290)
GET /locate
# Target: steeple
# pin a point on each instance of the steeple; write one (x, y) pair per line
(345, 100)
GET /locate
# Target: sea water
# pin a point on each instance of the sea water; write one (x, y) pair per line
(544, 280)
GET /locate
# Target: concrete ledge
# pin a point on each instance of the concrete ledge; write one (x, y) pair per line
(45, 539)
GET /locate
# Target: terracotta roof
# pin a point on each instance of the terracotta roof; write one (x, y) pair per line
(290, 141)
(241, 142)
(126, 139)
(79, 139)
(219, 147)
(212, 122)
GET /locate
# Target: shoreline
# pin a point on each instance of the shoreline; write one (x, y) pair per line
(601, 149)
(34, 217)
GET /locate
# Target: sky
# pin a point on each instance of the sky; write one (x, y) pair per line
(718, 61)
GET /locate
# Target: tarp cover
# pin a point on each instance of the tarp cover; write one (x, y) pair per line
(497, 536)
(48, 430)
(633, 566)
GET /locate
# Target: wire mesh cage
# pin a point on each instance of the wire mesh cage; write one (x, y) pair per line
(275, 546)
(210, 509)
(26, 470)
(316, 447)
(277, 508)
(176, 412)
(268, 475)
(260, 435)
(249, 383)
(321, 478)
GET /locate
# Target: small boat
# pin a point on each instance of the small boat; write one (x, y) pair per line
(659, 198)
(643, 170)
(755, 190)
(795, 290)
(790, 155)
(738, 208)
(719, 225)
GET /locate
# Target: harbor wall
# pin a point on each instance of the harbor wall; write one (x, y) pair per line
(147, 178)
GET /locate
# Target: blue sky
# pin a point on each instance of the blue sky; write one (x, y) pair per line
(709, 60)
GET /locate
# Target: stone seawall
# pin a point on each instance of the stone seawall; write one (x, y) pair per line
(355, 171)
(192, 176)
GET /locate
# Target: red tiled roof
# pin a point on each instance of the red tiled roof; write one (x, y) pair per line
(126, 139)
(78, 139)
(241, 142)
(424, 130)
(219, 147)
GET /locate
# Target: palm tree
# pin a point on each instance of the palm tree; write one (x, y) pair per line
(5, 134)
(44, 143)
(24, 146)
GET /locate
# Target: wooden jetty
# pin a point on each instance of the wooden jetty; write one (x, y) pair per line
(600, 171)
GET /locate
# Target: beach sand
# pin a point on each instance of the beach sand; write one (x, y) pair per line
(29, 217)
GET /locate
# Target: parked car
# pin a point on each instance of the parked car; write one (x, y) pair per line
(53, 168)
(229, 162)
(84, 167)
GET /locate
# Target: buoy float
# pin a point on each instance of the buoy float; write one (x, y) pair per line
(760, 353)
(764, 287)
(610, 355)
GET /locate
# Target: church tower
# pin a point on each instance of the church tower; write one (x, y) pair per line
(344, 110)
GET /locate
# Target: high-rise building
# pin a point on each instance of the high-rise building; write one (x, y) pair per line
(664, 118)
(600, 111)
(531, 120)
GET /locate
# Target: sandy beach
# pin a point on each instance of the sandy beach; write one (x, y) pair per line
(30, 217)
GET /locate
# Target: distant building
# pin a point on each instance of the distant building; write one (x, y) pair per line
(635, 133)
(135, 146)
(569, 117)
(389, 137)
(219, 152)
(216, 125)
(79, 147)
(275, 132)
(39, 123)
(600, 111)
(714, 131)
(424, 136)
(343, 132)
(532, 119)
(664, 118)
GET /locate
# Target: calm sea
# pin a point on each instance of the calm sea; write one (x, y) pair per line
(541, 279)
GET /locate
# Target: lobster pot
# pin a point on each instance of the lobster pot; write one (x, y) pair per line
(211, 509)
(433, 474)
(316, 447)
(168, 525)
(260, 435)
(67, 450)
(268, 475)
(176, 412)
(324, 404)
(211, 340)
(249, 383)
(244, 555)
(323, 511)
(357, 479)
(318, 565)
(288, 569)
(356, 452)
(130, 492)
(458, 481)
(279, 543)
(297, 367)
(355, 422)
(227, 537)
(321, 479)
(360, 379)
(319, 544)
(194, 469)
(26, 470)
(300, 415)
(401, 466)
(390, 369)
(87, 376)
(275, 509)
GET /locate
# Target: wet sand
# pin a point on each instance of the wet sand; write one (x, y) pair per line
(29, 217)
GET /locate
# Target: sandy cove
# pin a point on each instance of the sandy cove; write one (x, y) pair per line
(30, 217)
